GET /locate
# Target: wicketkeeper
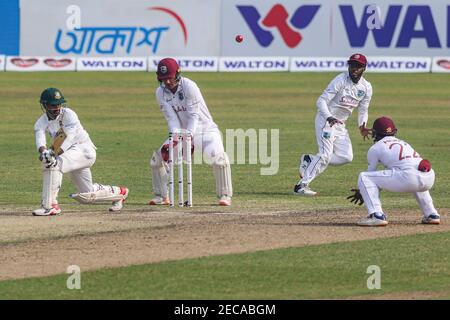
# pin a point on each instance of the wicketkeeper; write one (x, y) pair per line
(72, 152)
(184, 108)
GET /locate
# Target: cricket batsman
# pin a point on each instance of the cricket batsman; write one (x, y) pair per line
(72, 152)
(184, 108)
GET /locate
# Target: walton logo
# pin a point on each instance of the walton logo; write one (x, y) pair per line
(277, 17)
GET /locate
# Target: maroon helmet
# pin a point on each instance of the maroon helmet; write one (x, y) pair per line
(168, 68)
(358, 58)
(384, 126)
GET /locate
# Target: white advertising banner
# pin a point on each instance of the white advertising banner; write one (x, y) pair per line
(318, 64)
(30, 63)
(253, 64)
(374, 64)
(441, 64)
(336, 28)
(112, 64)
(209, 64)
(399, 64)
(120, 28)
(2, 63)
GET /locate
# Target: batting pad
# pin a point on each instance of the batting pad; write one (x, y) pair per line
(222, 172)
(96, 197)
(103, 193)
(51, 183)
(159, 176)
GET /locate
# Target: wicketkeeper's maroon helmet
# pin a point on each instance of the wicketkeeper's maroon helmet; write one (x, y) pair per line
(168, 68)
(384, 126)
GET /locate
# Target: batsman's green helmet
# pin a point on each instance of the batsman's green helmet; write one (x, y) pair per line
(52, 96)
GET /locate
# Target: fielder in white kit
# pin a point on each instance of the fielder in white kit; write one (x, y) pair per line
(346, 92)
(405, 171)
(73, 152)
(183, 106)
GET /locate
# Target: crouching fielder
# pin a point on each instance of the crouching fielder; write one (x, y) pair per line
(72, 152)
(405, 171)
(183, 106)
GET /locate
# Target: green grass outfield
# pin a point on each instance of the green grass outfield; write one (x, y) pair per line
(120, 113)
(332, 271)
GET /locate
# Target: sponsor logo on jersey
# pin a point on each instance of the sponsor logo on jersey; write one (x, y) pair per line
(349, 101)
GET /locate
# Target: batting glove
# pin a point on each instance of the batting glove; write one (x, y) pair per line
(48, 158)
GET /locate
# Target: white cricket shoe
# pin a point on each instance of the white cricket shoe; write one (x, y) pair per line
(118, 204)
(432, 219)
(53, 211)
(302, 189)
(158, 200)
(305, 161)
(377, 219)
(225, 201)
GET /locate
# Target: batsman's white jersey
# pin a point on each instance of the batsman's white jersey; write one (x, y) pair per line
(338, 100)
(79, 151)
(401, 174)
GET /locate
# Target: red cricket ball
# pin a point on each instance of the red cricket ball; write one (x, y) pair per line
(239, 38)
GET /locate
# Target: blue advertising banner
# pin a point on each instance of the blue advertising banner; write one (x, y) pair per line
(9, 27)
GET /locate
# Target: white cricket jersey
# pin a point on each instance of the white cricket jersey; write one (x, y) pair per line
(68, 121)
(186, 108)
(342, 96)
(392, 153)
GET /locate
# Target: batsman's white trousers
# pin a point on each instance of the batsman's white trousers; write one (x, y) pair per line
(77, 161)
(395, 180)
(335, 147)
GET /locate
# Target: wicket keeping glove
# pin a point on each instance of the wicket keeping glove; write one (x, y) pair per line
(356, 197)
(365, 132)
(332, 121)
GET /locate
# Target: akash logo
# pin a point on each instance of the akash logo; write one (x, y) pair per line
(118, 40)
(278, 18)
